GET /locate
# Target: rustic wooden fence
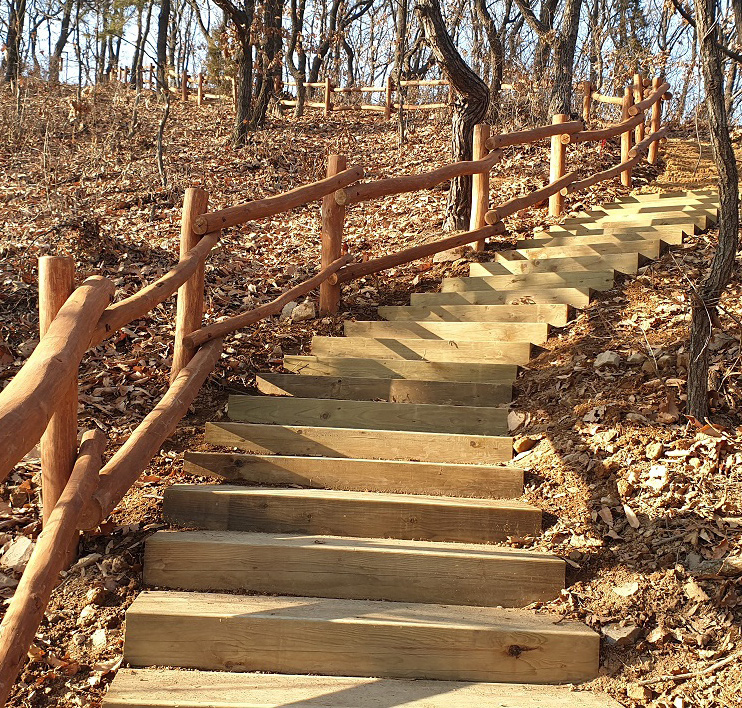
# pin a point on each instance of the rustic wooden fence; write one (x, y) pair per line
(40, 402)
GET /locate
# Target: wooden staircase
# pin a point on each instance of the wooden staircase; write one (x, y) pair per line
(354, 546)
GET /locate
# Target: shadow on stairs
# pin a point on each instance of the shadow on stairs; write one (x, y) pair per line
(360, 567)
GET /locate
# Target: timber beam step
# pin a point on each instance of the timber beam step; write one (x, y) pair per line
(596, 280)
(700, 195)
(575, 297)
(445, 393)
(646, 248)
(401, 369)
(556, 315)
(627, 263)
(358, 638)
(170, 688)
(697, 218)
(426, 349)
(351, 568)
(641, 238)
(585, 230)
(339, 513)
(534, 332)
(360, 475)
(374, 415)
(359, 443)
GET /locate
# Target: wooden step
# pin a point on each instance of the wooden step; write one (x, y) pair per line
(680, 205)
(169, 688)
(701, 220)
(401, 369)
(425, 349)
(351, 568)
(338, 513)
(367, 444)
(357, 638)
(642, 237)
(711, 194)
(373, 415)
(590, 229)
(535, 332)
(360, 475)
(645, 247)
(554, 314)
(627, 263)
(596, 280)
(576, 297)
(445, 393)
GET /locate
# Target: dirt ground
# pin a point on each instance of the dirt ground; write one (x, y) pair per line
(644, 504)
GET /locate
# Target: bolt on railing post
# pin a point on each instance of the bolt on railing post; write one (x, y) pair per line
(556, 165)
(388, 105)
(628, 101)
(328, 96)
(480, 184)
(59, 441)
(656, 123)
(190, 304)
(587, 100)
(333, 218)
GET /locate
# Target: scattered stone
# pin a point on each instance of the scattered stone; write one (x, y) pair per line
(636, 358)
(625, 488)
(639, 693)
(17, 554)
(524, 444)
(96, 596)
(665, 361)
(304, 311)
(627, 589)
(87, 616)
(98, 640)
(287, 310)
(620, 636)
(6, 581)
(608, 358)
(451, 255)
(654, 451)
(657, 477)
(649, 367)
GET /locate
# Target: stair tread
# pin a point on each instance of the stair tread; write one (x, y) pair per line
(535, 332)
(171, 688)
(555, 314)
(559, 263)
(596, 279)
(577, 297)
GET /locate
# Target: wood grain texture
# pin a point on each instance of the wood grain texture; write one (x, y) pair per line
(425, 349)
(622, 262)
(553, 314)
(597, 280)
(351, 568)
(324, 636)
(372, 415)
(368, 444)
(379, 389)
(648, 248)
(535, 332)
(362, 475)
(674, 238)
(587, 229)
(401, 369)
(167, 688)
(576, 297)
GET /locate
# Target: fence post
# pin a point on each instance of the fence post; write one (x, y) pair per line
(59, 441)
(556, 165)
(638, 98)
(388, 106)
(656, 123)
(333, 217)
(480, 185)
(190, 305)
(184, 85)
(200, 95)
(587, 100)
(628, 101)
(328, 96)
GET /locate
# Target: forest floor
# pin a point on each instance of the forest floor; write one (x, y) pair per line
(642, 502)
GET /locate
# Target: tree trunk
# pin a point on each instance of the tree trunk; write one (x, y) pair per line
(470, 107)
(564, 57)
(704, 301)
(162, 26)
(16, 21)
(64, 33)
(497, 59)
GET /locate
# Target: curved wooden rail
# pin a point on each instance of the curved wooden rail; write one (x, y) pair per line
(601, 176)
(603, 133)
(414, 183)
(270, 206)
(533, 134)
(643, 147)
(28, 401)
(518, 203)
(648, 102)
(601, 98)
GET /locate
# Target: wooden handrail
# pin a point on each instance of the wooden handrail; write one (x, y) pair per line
(128, 462)
(40, 577)
(270, 206)
(603, 133)
(28, 401)
(516, 204)
(600, 98)
(643, 147)
(533, 134)
(414, 183)
(232, 324)
(359, 270)
(601, 176)
(648, 102)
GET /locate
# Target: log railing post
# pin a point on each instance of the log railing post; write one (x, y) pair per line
(200, 95)
(480, 186)
(638, 98)
(190, 306)
(389, 91)
(556, 165)
(184, 85)
(59, 441)
(656, 123)
(333, 217)
(328, 96)
(587, 100)
(628, 101)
